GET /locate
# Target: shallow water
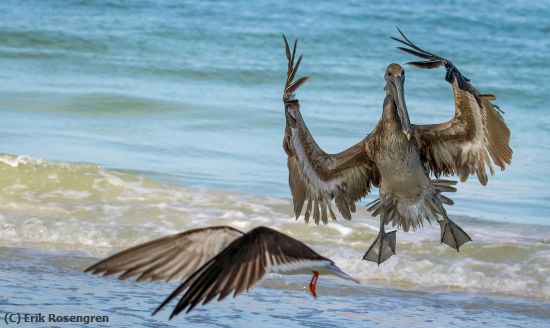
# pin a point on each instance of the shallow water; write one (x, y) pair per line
(125, 121)
(49, 282)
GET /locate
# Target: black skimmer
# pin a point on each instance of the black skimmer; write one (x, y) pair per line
(216, 261)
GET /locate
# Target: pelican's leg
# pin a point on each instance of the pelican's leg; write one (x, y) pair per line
(313, 284)
(451, 233)
(383, 246)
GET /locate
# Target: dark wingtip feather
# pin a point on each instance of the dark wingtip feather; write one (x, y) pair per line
(418, 54)
(287, 48)
(426, 64)
(294, 70)
(297, 84)
(294, 49)
(452, 71)
(400, 41)
(409, 43)
(400, 32)
(291, 86)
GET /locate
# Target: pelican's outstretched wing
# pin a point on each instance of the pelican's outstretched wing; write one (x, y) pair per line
(244, 263)
(315, 176)
(173, 257)
(476, 133)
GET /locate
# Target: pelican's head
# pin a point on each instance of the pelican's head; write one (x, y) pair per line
(395, 79)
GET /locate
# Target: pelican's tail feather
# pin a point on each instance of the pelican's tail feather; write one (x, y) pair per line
(410, 214)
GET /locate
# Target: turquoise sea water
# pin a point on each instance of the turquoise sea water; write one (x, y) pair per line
(122, 121)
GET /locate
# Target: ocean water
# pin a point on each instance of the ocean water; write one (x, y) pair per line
(123, 121)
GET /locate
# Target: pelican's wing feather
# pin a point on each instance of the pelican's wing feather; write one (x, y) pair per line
(171, 258)
(315, 176)
(242, 264)
(476, 134)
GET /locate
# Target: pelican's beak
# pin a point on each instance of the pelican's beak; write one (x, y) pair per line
(397, 83)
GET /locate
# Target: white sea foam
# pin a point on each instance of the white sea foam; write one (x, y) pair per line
(15, 161)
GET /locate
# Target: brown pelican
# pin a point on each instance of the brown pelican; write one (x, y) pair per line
(217, 261)
(397, 156)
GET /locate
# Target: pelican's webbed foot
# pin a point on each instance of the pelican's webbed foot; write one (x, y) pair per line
(452, 234)
(382, 248)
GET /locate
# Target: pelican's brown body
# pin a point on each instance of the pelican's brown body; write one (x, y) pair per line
(397, 157)
(403, 176)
